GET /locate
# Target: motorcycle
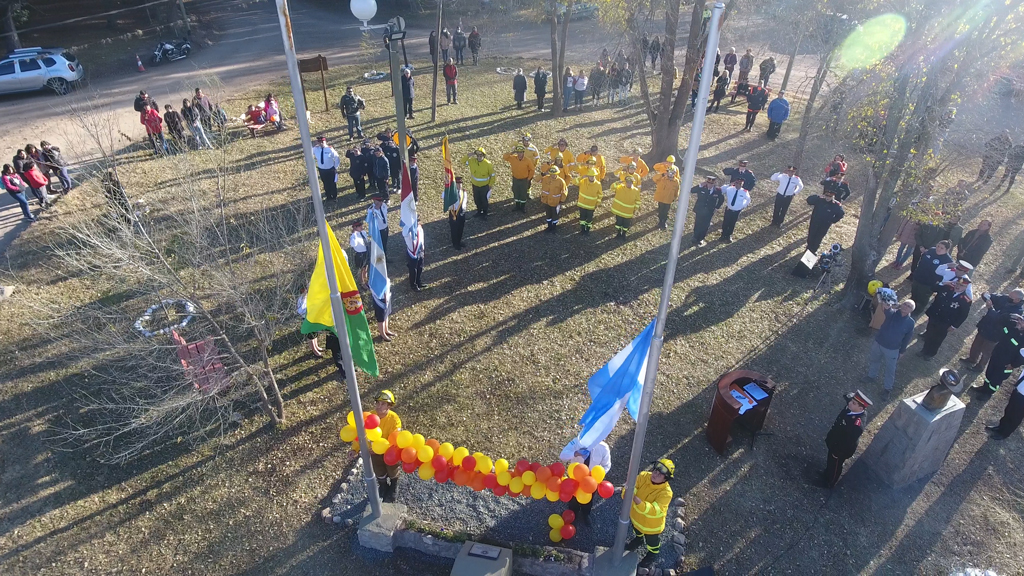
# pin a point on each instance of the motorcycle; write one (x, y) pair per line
(170, 52)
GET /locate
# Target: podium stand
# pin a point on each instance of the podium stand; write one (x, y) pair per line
(725, 409)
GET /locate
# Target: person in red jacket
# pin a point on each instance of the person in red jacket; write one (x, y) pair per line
(154, 124)
(451, 74)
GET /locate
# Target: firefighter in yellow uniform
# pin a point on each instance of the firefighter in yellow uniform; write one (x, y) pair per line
(590, 196)
(629, 171)
(641, 166)
(481, 174)
(651, 500)
(592, 158)
(666, 193)
(387, 476)
(625, 204)
(531, 151)
(662, 167)
(522, 175)
(555, 162)
(568, 159)
(553, 192)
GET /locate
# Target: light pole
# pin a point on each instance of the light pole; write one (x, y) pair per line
(337, 307)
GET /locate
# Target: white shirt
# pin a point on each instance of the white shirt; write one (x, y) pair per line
(414, 243)
(788, 185)
(600, 455)
(581, 84)
(948, 274)
(325, 157)
(736, 199)
(381, 215)
(358, 241)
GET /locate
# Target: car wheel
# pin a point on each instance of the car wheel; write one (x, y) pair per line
(59, 85)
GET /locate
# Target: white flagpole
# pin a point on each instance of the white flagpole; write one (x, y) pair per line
(689, 168)
(337, 307)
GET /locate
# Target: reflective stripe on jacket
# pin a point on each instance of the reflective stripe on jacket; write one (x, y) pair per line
(668, 189)
(553, 190)
(627, 200)
(648, 517)
(481, 172)
(590, 194)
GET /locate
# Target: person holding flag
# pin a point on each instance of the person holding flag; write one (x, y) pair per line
(414, 252)
(456, 208)
(380, 284)
(318, 316)
(522, 175)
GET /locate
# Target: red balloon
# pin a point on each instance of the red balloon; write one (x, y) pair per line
(565, 497)
(569, 485)
(554, 484)
(410, 467)
(568, 531)
(512, 494)
(372, 421)
(441, 475)
(439, 462)
(605, 489)
(522, 466)
(558, 469)
(391, 457)
(500, 490)
(409, 455)
(491, 481)
(535, 466)
(469, 463)
(568, 516)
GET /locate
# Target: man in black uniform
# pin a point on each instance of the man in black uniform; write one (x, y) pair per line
(844, 435)
(826, 213)
(708, 199)
(394, 156)
(950, 309)
(1005, 357)
(1013, 415)
(356, 169)
(740, 171)
(837, 185)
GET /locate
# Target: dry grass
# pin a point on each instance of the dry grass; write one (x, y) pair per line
(494, 356)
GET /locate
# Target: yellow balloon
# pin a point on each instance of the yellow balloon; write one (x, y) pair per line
(555, 521)
(529, 477)
(373, 434)
(458, 455)
(417, 441)
(447, 450)
(478, 456)
(552, 496)
(351, 418)
(500, 465)
(404, 439)
(537, 491)
(569, 470)
(555, 535)
(426, 471)
(582, 497)
(484, 465)
(504, 478)
(424, 453)
(380, 446)
(516, 485)
(597, 472)
(348, 433)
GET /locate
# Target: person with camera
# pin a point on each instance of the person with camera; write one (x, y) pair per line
(950, 309)
(890, 343)
(843, 437)
(925, 279)
(708, 198)
(990, 327)
(351, 109)
(826, 212)
(736, 199)
(1006, 356)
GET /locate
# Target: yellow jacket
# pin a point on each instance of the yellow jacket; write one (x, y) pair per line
(563, 173)
(641, 166)
(521, 169)
(388, 424)
(598, 164)
(552, 190)
(627, 200)
(590, 194)
(635, 176)
(667, 190)
(661, 167)
(568, 159)
(648, 517)
(481, 172)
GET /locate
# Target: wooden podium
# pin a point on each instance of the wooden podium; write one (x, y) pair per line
(725, 409)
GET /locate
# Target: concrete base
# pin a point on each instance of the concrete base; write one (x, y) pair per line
(914, 441)
(603, 565)
(466, 565)
(378, 533)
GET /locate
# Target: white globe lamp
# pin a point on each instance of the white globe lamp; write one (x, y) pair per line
(364, 10)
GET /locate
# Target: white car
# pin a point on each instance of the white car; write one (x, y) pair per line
(28, 69)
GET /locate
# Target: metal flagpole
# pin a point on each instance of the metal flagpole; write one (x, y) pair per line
(396, 87)
(337, 307)
(690, 166)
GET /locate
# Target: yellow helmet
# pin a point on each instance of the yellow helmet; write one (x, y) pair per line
(665, 466)
(590, 172)
(481, 150)
(386, 396)
(671, 159)
(631, 165)
(520, 148)
(873, 286)
(553, 170)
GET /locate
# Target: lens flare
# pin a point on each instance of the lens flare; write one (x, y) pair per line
(872, 41)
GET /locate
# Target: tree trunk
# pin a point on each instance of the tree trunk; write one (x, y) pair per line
(278, 401)
(805, 121)
(665, 138)
(564, 40)
(10, 31)
(556, 74)
(792, 58)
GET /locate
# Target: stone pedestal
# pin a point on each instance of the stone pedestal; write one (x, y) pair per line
(603, 565)
(914, 441)
(378, 533)
(466, 565)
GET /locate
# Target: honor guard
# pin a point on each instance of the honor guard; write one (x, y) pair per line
(736, 199)
(457, 215)
(826, 212)
(844, 435)
(741, 171)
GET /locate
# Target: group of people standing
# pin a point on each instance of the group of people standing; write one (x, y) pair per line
(189, 127)
(31, 170)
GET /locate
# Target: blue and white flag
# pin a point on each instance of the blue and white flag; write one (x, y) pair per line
(616, 386)
(380, 284)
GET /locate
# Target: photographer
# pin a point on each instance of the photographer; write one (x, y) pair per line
(890, 343)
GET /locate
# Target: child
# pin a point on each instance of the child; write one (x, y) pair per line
(360, 243)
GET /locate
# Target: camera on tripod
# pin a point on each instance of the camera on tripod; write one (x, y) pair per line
(831, 258)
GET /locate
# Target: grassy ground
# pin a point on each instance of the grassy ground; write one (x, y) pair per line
(494, 356)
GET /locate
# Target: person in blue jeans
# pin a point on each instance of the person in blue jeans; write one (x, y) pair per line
(890, 343)
(12, 183)
(351, 108)
(568, 87)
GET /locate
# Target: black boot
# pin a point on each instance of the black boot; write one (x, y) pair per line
(390, 494)
(382, 489)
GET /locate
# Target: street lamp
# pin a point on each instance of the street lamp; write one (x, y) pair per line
(364, 10)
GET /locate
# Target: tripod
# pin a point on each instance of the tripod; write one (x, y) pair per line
(825, 283)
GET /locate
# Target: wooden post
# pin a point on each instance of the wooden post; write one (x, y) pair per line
(433, 92)
(323, 83)
(318, 64)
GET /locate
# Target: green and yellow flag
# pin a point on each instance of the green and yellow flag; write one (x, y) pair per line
(318, 307)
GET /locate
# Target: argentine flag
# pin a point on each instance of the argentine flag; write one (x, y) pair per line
(616, 386)
(380, 284)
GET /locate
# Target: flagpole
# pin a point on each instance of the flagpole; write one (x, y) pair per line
(689, 168)
(337, 307)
